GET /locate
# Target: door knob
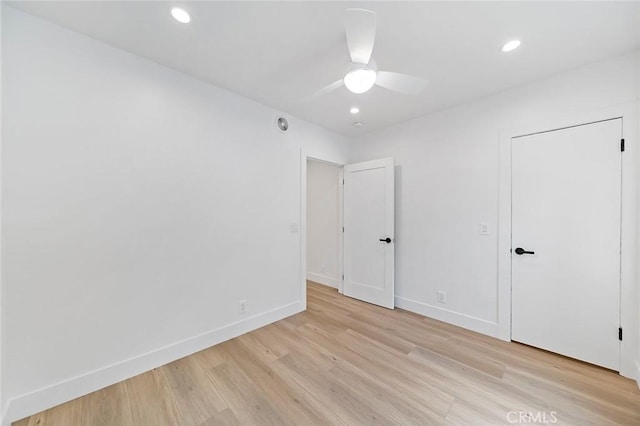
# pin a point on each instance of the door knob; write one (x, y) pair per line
(520, 251)
(386, 240)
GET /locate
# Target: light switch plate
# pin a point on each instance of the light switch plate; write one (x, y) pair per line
(484, 228)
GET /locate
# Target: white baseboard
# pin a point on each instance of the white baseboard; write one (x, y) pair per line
(66, 390)
(461, 320)
(638, 373)
(322, 279)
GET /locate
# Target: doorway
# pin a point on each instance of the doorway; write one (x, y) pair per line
(566, 239)
(349, 238)
(324, 223)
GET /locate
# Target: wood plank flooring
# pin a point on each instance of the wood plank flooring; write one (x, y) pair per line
(346, 362)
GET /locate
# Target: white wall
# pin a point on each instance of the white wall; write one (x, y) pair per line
(447, 183)
(322, 223)
(134, 198)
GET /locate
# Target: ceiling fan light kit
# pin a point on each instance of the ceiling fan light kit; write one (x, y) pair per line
(360, 78)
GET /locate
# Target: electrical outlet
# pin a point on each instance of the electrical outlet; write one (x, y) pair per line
(243, 306)
(294, 228)
(442, 297)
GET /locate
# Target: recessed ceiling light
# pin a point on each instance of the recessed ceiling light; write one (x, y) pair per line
(358, 123)
(354, 110)
(512, 45)
(180, 15)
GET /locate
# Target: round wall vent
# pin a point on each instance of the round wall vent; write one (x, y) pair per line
(283, 124)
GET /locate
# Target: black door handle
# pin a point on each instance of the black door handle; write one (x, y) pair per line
(386, 240)
(520, 251)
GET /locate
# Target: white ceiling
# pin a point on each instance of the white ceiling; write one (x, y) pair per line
(279, 53)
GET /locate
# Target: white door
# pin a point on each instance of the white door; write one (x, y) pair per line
(369, 231)
(566, 206)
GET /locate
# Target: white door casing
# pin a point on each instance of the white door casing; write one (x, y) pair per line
(566, 208)
(368, 221)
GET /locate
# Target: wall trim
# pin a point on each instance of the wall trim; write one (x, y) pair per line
(638, 373)
(322, 279)
(461, 320)
(41, 399)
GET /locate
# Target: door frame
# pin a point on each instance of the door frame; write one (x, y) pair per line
(628, 258)
(304, 157)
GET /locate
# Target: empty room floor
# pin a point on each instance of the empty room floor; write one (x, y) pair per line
(348, 362)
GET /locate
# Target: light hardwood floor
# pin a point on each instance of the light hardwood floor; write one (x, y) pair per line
(347, 362)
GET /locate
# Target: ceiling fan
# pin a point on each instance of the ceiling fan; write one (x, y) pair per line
(362, 73)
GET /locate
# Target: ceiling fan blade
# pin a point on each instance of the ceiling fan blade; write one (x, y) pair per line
(327, 89)
(402, 83)
(361, 34)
